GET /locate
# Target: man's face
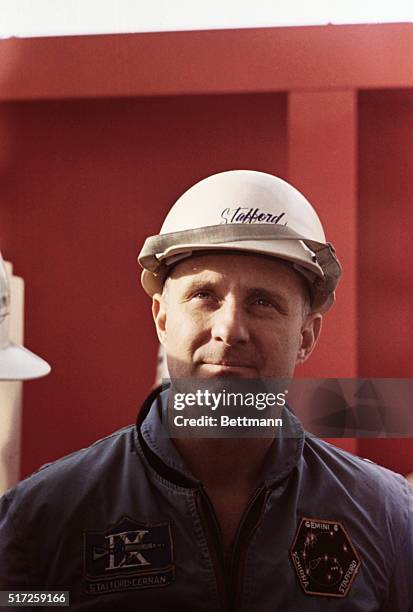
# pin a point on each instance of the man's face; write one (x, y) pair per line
(233, 314)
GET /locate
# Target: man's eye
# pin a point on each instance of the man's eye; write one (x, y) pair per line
(203, 295)
(261, 301)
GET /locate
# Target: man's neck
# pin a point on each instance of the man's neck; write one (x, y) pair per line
(225, 463)
(230, 471)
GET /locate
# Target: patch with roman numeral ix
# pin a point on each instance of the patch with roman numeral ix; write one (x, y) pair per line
(128, 556)
(324, 558)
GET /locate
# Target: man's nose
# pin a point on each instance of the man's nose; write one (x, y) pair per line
(230, 323)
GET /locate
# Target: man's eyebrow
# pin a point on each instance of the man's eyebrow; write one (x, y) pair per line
(200, 283)
(208, 283)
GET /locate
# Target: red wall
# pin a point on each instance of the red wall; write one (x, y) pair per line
(385, 279)
(385, 233)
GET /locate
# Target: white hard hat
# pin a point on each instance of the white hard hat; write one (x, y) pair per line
(16, 362)
(244, 210)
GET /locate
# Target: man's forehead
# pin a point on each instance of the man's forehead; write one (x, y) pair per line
(244, 267)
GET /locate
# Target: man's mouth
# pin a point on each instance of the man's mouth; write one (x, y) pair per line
(230, 363)
(228, 366)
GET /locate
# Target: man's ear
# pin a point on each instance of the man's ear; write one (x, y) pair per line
(159, 316)
(310, 333)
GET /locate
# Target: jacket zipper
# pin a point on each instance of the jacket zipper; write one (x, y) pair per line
(249, 522)
(215, 543)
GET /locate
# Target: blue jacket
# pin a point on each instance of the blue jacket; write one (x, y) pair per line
(124, 525)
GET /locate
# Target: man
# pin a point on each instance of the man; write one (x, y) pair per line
(239, 277)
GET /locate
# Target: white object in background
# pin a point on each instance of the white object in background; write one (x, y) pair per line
(11, 395)
(16, 362)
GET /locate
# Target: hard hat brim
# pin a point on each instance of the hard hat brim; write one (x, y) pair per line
(292, 251)
(18, 363)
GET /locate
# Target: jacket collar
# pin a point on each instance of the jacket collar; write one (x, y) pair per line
(283, 456)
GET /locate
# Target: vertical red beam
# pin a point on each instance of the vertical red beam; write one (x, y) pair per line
(322, 156)
(322, 163)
